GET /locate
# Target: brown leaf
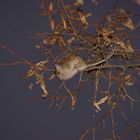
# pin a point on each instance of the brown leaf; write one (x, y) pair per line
(52, 77)
(50, 7)
(129, 47)
(30, 73)
(50, 41)
(105, 31)
(88, 15)
(51, 20)
(129, 24)
(38, 46)
(73, 103)
(121, 45)
(83, 18)
(128, 80)
(101, 101)
(64, 22)
(42, 63)
(78, 3)
(69, 41)
(41, 82)
(30, 86)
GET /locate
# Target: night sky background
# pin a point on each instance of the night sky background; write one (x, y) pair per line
(21, 119)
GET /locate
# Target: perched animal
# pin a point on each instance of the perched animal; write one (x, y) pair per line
(72, 64)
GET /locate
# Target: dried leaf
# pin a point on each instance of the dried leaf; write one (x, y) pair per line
(78, 2)
(30, 73)
(50, 7)
(101, 101)
(50, 41)
(45, 41)
(42, 63)
(109, 18)
(51, 20)
(121, 45)
(105, 32)
(83, 19)
(38, 46)
(88, 15)
(45, 13)
(128, 80)
(31, 86)
(69, 41)
(129, 47)
(129, 24)
(41, 82)
(73, 98)
(43, 87)
(51, 77)
(64, 22)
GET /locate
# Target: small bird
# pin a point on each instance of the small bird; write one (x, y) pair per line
(72, 64)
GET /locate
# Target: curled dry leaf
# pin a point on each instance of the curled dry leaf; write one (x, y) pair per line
(50, 41)
(34, 68)
(105, 32)
(30, 72)
(129, 24)
(73, 102)
(128, 80)
(121, 46)
(34, 71)
(88, 15)
(80, 1)
(41, 64)
(41, 82)
(61, 43)
(37, 46)
(83, 18)
(30, 86)
(101, 101)
(125, 47)
(64, 22)
(52, 25)
(52, 77)
(69, 41)
(129, 47)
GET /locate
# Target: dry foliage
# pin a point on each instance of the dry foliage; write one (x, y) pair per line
(73, 33)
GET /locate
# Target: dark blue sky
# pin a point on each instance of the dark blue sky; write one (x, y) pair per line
(21, 119)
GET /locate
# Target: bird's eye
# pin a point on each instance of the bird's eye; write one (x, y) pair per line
(58, 72)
